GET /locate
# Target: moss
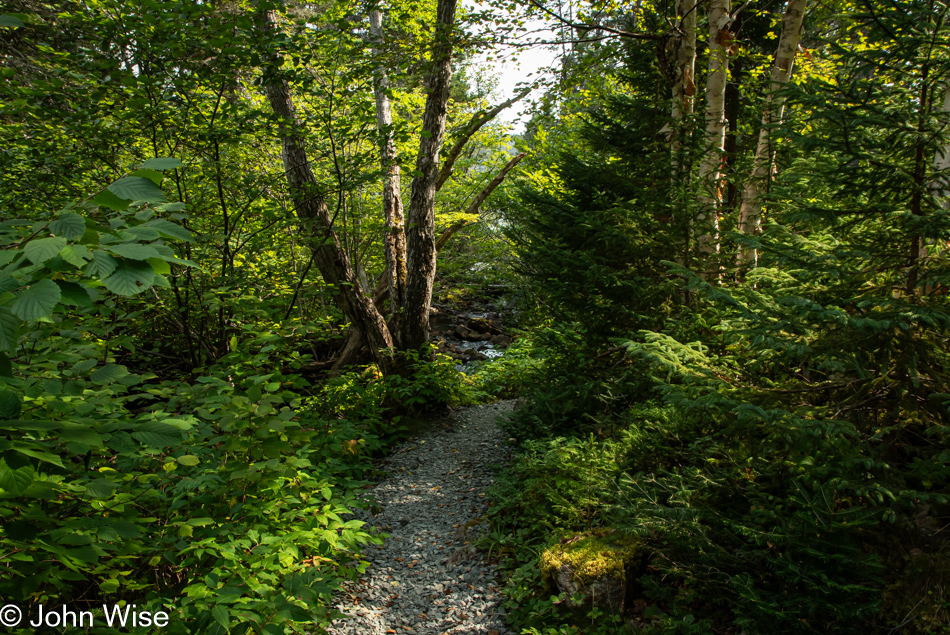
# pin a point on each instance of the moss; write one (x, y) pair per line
(592, 556)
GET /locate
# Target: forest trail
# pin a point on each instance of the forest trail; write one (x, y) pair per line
(428, 578)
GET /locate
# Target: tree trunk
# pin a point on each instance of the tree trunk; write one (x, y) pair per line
(710, 169)
(420, 230)
(395, 237)
(682, 51)
(751, 210)
(311, 208)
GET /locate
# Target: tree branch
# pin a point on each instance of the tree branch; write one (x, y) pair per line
(598, 27)
(478, 120)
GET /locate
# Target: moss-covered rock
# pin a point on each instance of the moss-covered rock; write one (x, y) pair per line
(595, 565)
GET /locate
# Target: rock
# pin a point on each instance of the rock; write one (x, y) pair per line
(462, 332)
(594, 566)
(501, 340)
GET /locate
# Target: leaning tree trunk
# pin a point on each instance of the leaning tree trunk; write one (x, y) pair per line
(420, 230)
(751, 210)
(311, 208)
(710, 169)
(395, 237)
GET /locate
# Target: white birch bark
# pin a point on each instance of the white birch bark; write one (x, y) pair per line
(710, 169)
(684, 84)
(751, 210)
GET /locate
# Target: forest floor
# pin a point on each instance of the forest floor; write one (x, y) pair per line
(428, 578)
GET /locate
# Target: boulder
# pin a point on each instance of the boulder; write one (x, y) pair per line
(594, 567)
(501, 340)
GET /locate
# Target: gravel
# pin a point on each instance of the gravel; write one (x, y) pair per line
(428, 578)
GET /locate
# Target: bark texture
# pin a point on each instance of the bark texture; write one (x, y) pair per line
(751, 210)
(710, 169)
(314, 216)
(681, 52)
(395, 237)
(420, 228)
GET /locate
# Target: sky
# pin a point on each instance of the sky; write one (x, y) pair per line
(519, 65)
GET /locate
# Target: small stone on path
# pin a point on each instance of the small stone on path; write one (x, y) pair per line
(433, 505)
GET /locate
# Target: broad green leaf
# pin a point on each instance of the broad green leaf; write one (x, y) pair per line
(10, 21)
(130, 277)
(107, 199)
(103, 264)
(10, 405)
(7, 256)
(43, 249)
(134, 251)
(46, 457)
(137, 188)
(221, 615)
(109, 373)
(84, 365)
(162, 163)
(169, 229)
(37, 301)
(74, 294)
(157, 435)
(160, 266)
(9, 324)
(80, 434)
(171, 207)
(109, 586)
(152, 175)
(68, 225)
(76, 255)
(101, 488)
(15, 481)
(189, 459)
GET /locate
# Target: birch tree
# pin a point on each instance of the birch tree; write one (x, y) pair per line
(751, 210)
(710, 169)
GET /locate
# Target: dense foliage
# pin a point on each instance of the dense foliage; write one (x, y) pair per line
(730, 269)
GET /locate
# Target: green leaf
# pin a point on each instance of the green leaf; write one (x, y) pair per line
(164, 163)
(41, 456)
(157, 435)
(10, 405)
(134, 251)
(169, 229)
(76, 255)
(152, 175)
(80, 434)
(130, 277)
(84, 365)
(10, 21)
(103, 264)
(9, 324)
(74, 294)
(15, 481)
(109, 200)
(221, 615)
(101, 488)
(137, 188)
(108, 374)
(69, 226)
(39, 251)
(189, 460)
(37, 301)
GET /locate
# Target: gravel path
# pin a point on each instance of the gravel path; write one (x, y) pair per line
(427, 578)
